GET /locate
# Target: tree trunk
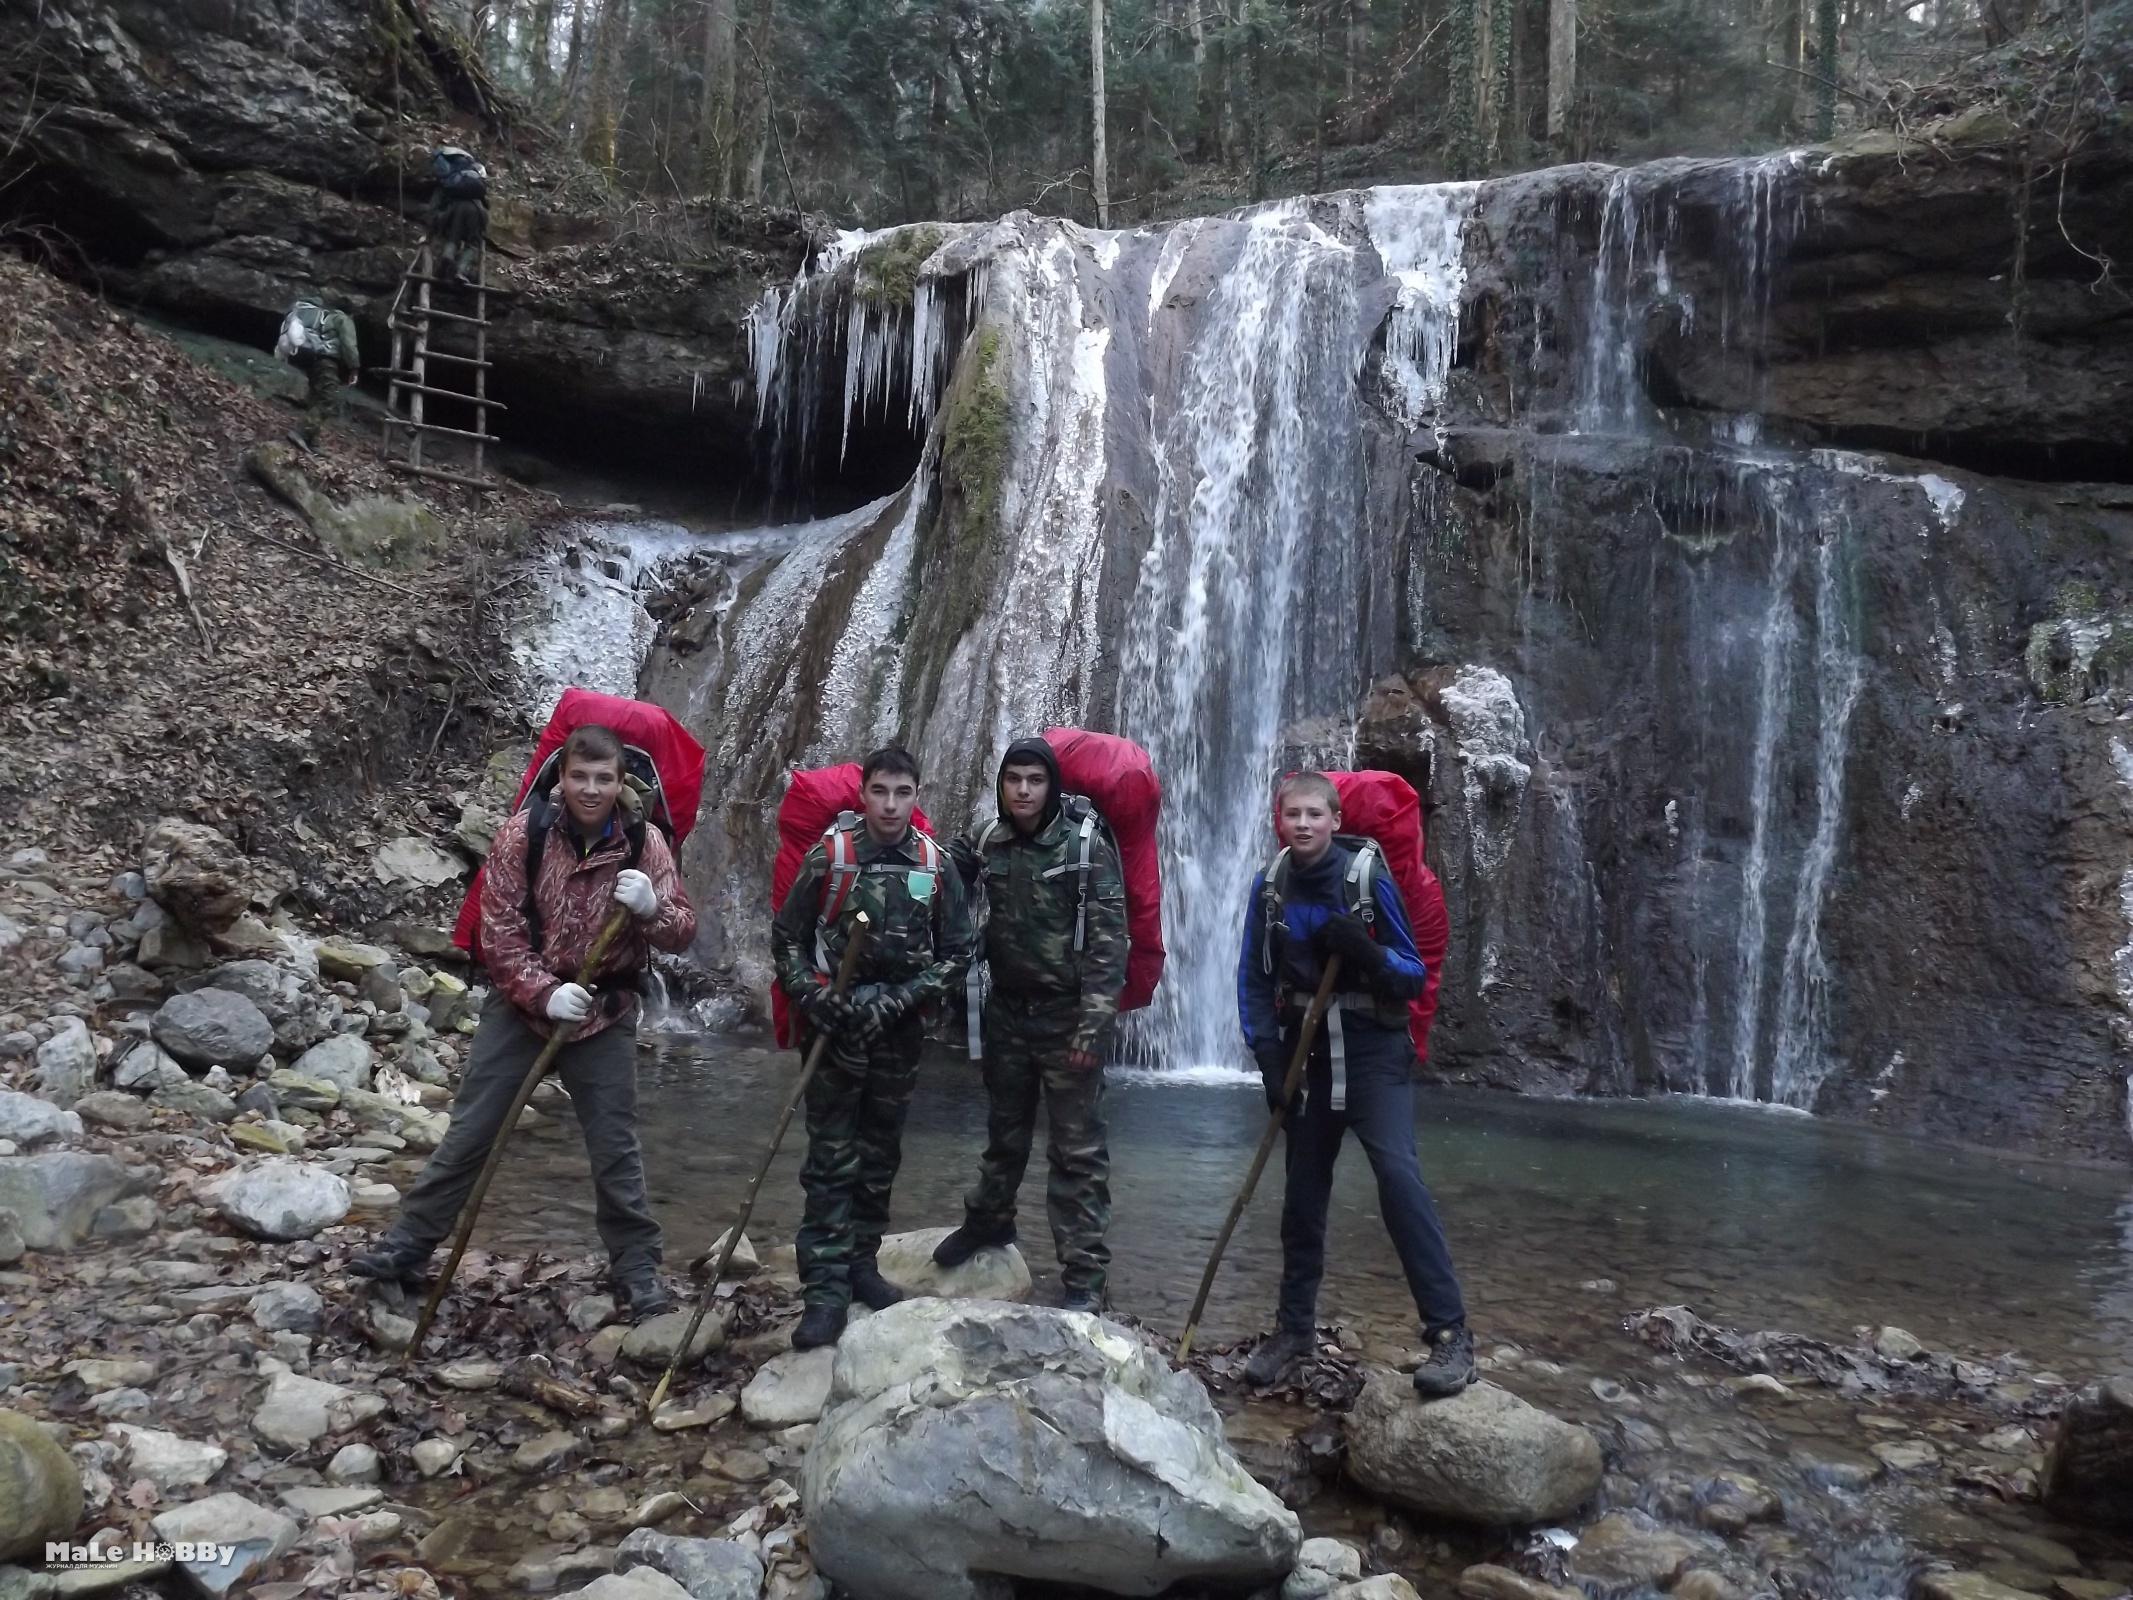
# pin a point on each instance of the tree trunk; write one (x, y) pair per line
(574, 68)
(605, 114)
(1788, 20)
(540, 40)
(1207, 132)
(714, 121)
(1826, 65)
(1562, 73)
(1100, 156)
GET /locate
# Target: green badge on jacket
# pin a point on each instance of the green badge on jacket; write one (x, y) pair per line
(920, 886)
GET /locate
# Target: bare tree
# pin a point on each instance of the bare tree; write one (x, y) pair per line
(1562, 72)
(1100, 159)
(715, 121)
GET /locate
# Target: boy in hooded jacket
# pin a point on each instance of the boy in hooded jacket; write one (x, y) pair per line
(1055, 941)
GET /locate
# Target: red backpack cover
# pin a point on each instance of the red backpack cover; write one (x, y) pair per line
(1119, 780)
(813, 800)
(1385, 807)
(677, 758)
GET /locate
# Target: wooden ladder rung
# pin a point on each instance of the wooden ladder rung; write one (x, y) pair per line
(446, 355)
(404, 381)
(438, 472)
(426, 312)
(460, 283)
(438, 427)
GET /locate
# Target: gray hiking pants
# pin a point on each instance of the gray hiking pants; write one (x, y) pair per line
(601, 1075)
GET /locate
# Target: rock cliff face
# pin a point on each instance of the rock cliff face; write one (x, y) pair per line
(214, 159)
(1759, 760)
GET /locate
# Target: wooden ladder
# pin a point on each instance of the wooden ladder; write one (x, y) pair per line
(412, 319)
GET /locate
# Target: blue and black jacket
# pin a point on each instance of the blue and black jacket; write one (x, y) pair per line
(1269, 1000)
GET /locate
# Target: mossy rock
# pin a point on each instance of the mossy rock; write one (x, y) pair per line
(887, 273)
(40, 1489)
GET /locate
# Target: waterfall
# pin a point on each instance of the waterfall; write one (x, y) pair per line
(585, 622)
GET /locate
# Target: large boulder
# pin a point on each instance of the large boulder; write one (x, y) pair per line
(212, 1028)
(198, 875)
(790, 1388)
(1000, 1273)
(28, 1120)
(40, 1488)
(56, 1195)
(1482, 1456)
(708, 1569)
(299, 1014)
(927, 1480)
(66, 1063)
(2088, 1472)
(344, 1061)
(280, 1199)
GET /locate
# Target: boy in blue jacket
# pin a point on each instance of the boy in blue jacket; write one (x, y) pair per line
(1329, 899)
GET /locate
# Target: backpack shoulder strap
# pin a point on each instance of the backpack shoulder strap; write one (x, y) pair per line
(540, 821)
(1272, 895)
(1087, 832)
(1360, 883)
(843, 857)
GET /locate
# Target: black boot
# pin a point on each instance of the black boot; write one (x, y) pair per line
(645, 1295)
(820, 1324)
(874, 1291)
(968, 1240)
(1450, 1367)
(392, 1260)
(1279, 1351)
(1087, 1299)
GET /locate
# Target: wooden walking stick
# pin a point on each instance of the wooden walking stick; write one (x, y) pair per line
(845, 968)
(562, 1035)
(1319, 1004)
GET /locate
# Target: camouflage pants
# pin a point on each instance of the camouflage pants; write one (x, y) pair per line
(322, 396)
(855, 1127)
(1026, 1045)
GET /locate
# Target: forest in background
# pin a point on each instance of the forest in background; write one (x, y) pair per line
(885, 111)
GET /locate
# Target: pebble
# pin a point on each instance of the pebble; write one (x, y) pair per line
(673, 1419)
(549, 1450)
(354, 1463)
(592, 1311)
(116, 1374)
(1907, 1455)
(471, 1372)
(432, 1456)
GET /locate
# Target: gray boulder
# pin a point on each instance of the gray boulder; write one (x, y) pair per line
(212, 1027)
(2088, 1472)
(195, 1099)
(258, 1534)
(709, 1569)
(56, 1196)
(40, 1488)
(788, 1389)
(299, 1014)
(280, 1199)
(66, 1063)
(922, 1483)
(29, 1120)
(344, 1061)
(110, 1108)
(293, 1307)
(999, 1273)
(147, 1066)
(297, 1412)
(196, 874)
(1484, 1456)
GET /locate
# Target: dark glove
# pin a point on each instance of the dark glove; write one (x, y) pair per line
(877, 1007)
(1273, 1073)
(826, 1010)
(1348, 936)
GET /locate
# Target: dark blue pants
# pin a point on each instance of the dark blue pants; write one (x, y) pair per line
(1381, 1111)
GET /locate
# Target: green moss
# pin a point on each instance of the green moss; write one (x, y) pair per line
(2078, 598)
(887, 273)
(974, 433)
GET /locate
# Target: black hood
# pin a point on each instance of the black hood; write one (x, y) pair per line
(1020, 754)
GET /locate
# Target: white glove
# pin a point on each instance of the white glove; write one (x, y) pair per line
(570, 1002)
(633, 891)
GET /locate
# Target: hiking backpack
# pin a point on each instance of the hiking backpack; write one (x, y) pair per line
(1119, 780)
(303, 333)
(459, 175)
(1382, 809)
(662, 770)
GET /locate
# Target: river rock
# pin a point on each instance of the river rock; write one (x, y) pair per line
(1965, 1586)
(1501, 1583)
(279, 1199)
(166, 1460)
(2088, 1471)
(1134, 1489)
(1626, 1549)
(125, 1220)
(66, 1063)
(212, 1027)
(114, 1108)
(641, 1583)
(194, 1099)
(1907, 1455)
(56, 1195)
(298, 1411)
(546, 1451)
(416, 861)
(146, 1067)
(789, 1388)
(449, 1002)
(12, 1245)
(1000, 1273)
(707, 1569)
(355, 1463)
(99, 1374)
(29, 1120)
(652, 1343)
(298, 1093)
(344, 1061)
(293, 1307)
(299, 1014)
(1483, 1455)
(671, 1418)
(311, 1501)
(432, 1456)
(40, 1488)
(347, 959)
(1385, 1586)
(1322, 1566)
(197, 875)
(259, 1534)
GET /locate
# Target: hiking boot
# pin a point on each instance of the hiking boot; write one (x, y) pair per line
(1450, 1367)
(1089, 1300)
(968, 1240)
(819, 1325)
(1276, 1354)
(392, 1261)
(874, 1291)
(645, 1296)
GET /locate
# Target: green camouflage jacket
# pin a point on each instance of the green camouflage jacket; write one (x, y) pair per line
(922, 929)
(1033, 893)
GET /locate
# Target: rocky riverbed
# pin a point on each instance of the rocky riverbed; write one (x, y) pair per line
(208, 1107)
